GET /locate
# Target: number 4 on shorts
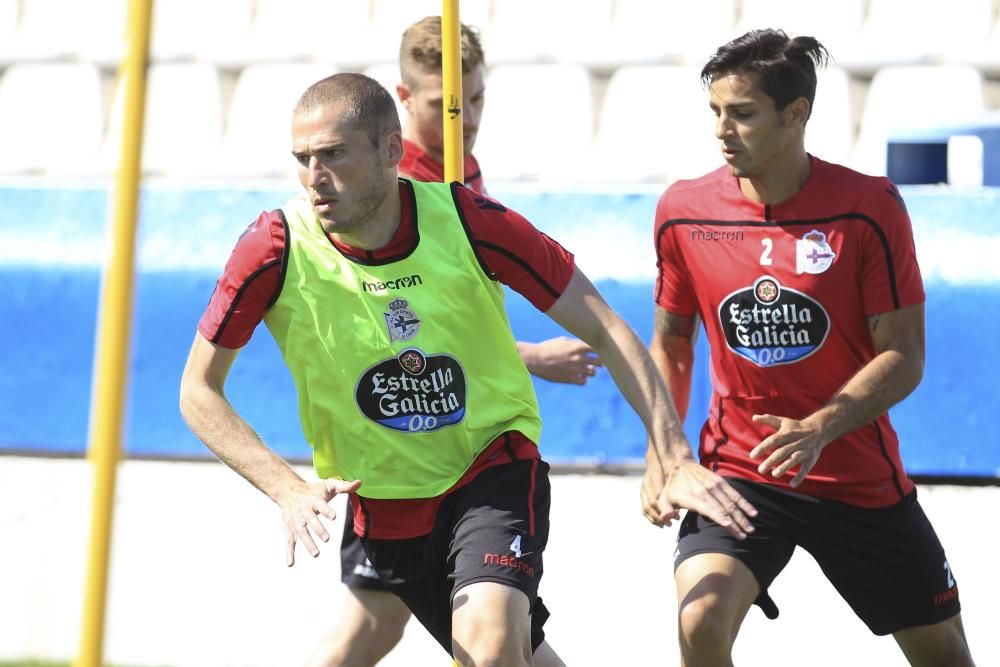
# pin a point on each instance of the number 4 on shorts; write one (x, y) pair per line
(515, 546)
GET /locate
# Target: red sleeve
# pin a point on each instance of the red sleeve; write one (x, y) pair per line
(513, 251)
(249, 284)
(890, 276)
(673, 289)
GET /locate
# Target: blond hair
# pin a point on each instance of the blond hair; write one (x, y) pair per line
(420, 50)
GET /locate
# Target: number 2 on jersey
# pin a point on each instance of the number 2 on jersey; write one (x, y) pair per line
(765, 256)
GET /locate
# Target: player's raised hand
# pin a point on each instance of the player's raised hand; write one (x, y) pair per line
(560, 359)
(302, 504)
(793, 443)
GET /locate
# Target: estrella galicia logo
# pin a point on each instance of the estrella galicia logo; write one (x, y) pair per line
(413, 392)
(772, 325)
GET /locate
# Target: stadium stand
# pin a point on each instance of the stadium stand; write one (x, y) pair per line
(255, 142)
(550, 108)
(607, 38)
(644, 32)
(183, 126)
(103, 42)
(195, 30)
(836, 23)
(8, 19)
(908, 97)
(985, 56)
(911, 32)
(279, 33)
(39, 38)
(655, 125)
(36, 133)
(558, 31)
(830, 131)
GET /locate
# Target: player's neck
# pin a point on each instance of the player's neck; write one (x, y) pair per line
(411, 136)
(780, 182)
(379, 229)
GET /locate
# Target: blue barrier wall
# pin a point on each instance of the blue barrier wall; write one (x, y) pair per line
(52, 242)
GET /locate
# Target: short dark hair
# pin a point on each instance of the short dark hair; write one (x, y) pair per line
(785, 67)
(366, 104)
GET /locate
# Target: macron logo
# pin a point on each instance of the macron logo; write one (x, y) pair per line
(508, 561)
(398, 283)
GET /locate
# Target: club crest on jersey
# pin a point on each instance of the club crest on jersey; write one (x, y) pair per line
(413, 392)
(400, 321)
(771, 324)
(813, 254)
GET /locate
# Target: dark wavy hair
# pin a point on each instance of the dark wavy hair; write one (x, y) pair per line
(785, 67)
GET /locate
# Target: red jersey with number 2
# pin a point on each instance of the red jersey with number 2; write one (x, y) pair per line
(785, 292)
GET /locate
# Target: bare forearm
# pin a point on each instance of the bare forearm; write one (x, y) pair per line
(674, 363)
(633, 370)
(882, 383)
(213, 420)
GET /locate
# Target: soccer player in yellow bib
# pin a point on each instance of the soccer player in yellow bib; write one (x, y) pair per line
(373, 620)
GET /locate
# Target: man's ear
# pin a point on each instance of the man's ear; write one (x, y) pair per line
(405, 95)
(798, 111)
(394, 147)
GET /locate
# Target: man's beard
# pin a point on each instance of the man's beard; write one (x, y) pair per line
(367, 206)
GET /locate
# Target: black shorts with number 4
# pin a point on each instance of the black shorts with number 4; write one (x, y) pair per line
(495, 528)
(886, 562)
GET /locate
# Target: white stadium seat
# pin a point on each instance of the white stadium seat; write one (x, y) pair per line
(46, 30)
(655, 125)
(9, 12)
(834, 24)
(537, 123)
(186, 30)
(528, 31)
(183, 123)
(902, 98)
(289, 30)
(900, 32)
(985, 53)
(51, 118)
(257, 139)
(333, 33)
(104, 40)
(646, 32)
(830, 132)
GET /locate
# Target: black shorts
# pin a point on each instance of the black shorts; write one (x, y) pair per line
(886, 562)
(493, 529)
(355, 569)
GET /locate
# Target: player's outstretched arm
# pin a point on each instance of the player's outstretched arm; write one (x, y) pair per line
(894, 372)
(210, 416)
(676, 480)
(560, 359)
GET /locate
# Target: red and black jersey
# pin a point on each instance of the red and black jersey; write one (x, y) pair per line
(419, 165)
(785, 292)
